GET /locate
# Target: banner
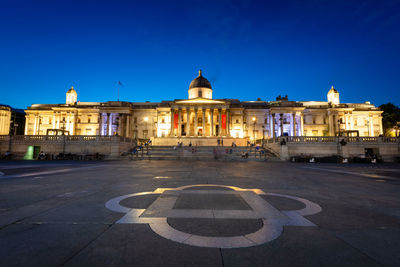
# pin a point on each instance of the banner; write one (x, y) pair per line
(223, 121)
(176, 120)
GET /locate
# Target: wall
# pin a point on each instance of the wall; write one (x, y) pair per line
(389, 148)
(110, 146)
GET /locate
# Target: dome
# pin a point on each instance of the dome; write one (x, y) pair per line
(333, 90)
(71, 90)
(200, 82)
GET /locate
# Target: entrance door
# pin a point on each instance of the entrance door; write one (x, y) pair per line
(183, 129)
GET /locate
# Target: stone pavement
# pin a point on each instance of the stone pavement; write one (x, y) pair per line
(194, 213)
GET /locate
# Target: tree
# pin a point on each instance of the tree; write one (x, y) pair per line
(390, 117)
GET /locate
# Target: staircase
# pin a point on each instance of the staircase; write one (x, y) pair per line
(203, 153)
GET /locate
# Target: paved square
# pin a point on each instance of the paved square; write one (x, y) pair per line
(191, 213)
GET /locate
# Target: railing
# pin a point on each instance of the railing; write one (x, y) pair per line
(67, 138)
(332, 139)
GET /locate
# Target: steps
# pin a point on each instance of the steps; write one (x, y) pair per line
(203, 153)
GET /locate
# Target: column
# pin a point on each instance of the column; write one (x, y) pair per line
(196, 132)
(228, 132)
(101, 122)
(120, 124)
(281, 122)
(203, 110)
(242, 124)
(331, 125)
(26, 124)
(72, 124)
(127, 125)
(301, 124)
(219, 122)
(212, 122)
(371, 126)
(188, 121)
(180, 122)
(108, 123)
(58, 121)
(171, 133)
(380, 126)
(351, 122)
(273, 126)
(294, 123)
(346, 119)
(35, 126)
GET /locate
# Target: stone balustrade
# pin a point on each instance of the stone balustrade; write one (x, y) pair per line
(60, 138)
(332, 139)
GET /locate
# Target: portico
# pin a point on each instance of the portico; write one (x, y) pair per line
(199, 118)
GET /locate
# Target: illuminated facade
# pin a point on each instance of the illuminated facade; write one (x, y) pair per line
(201, 116)
(5, 118)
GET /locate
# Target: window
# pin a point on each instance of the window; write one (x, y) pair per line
(265, 121)
(88, 120)
(163, 120)
(237, 121)
(135, 119)
(313, 121)
(200, 93)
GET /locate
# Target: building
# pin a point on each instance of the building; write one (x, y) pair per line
(201, 116)
(12, 121)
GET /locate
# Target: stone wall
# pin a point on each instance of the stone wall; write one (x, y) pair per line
(109, 146)
(387, 147)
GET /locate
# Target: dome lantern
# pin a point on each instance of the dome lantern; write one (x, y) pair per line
(72, 96)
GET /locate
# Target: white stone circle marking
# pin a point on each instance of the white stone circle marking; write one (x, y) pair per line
(162, 208)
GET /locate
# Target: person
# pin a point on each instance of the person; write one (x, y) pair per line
(190, 144)
(222, 141)
(7, 155)
(42, 155)
(233, 143)
(218, 141)
(247, 155)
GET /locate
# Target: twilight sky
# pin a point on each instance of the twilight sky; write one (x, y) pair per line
(247, 49)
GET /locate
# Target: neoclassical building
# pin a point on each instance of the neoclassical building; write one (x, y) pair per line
(201, 116)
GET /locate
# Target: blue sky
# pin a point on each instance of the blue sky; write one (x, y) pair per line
(247, 49)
